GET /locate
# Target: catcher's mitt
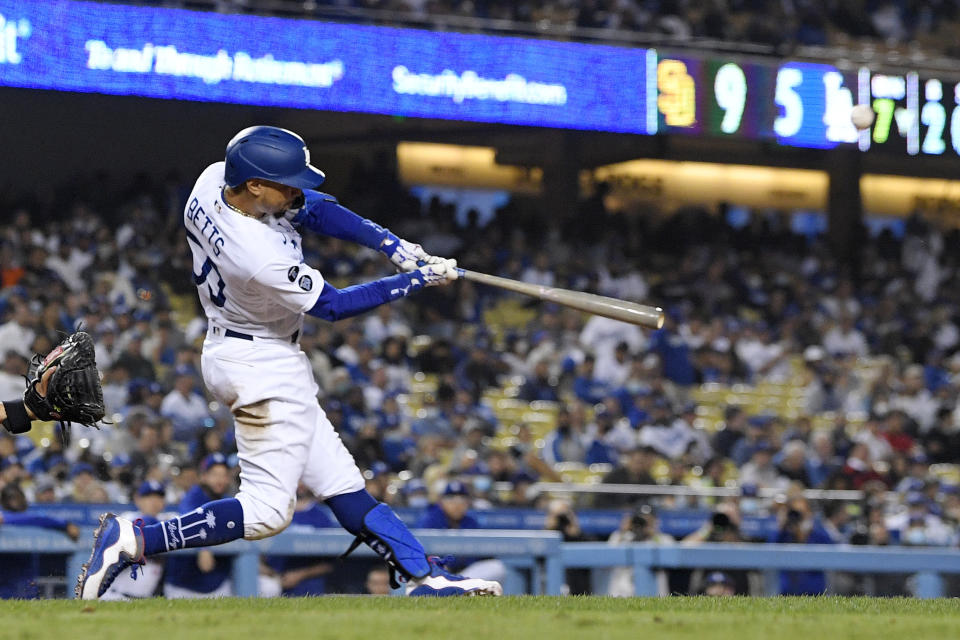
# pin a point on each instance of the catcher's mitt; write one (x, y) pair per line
(73, 391)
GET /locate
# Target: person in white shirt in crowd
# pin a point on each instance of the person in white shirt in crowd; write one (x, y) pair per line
(871, 436)
(396, 364)
(384, 322)
(622, 281)
(831, 384)
(844, 339)
(15, 367)
(946, 337)
(915, 400)
(679, 438)
(105, 345)
(540, 272)
(917, 526)
(186, 409)
(347, 352)
(150, 502)
(602, 335)
(760, 471)
(69, 262)
(614, 368)
(841, 302)
(612, 428)
(766, 359)
(376, 390)
(16, 334)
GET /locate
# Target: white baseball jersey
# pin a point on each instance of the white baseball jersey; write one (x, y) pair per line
(249, 272)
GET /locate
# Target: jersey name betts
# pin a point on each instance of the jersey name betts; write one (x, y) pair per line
(249, 272)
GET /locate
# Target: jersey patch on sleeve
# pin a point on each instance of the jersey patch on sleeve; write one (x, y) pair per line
(306, 283)
(292, 273)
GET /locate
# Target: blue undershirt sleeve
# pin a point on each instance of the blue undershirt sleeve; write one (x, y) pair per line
(336, 304)
(323, 214)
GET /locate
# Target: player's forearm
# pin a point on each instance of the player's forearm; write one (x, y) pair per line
(33, 520)
(15, 417)
(336, 304)
(323, 214)
(314, 571)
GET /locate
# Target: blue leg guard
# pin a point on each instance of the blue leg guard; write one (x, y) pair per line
(386, 534)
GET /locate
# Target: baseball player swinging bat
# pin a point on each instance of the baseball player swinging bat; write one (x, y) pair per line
(639, 314)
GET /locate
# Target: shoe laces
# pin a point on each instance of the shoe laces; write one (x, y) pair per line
(441, 564)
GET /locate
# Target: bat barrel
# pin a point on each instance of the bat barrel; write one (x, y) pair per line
(639, 314)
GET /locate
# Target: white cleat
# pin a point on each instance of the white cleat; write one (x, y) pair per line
(441, 583)
(116, 546)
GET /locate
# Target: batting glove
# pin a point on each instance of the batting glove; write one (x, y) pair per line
(442, 272)
(406, 255)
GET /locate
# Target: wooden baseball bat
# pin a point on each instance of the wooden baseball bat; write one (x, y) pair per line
(631, 312)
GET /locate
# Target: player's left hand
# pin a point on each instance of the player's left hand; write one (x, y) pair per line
(440, 273)
(406, 255)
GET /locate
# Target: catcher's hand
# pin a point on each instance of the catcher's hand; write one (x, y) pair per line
(73, 392)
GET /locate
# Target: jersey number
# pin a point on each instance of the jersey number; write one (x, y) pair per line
(217, 298)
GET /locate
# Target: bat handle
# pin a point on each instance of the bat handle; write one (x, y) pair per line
(461, 272)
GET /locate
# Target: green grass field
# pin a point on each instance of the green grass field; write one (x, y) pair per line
(485, 618)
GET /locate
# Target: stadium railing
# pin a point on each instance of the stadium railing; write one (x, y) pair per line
(928, 564)
(545, 557)
(532, 557)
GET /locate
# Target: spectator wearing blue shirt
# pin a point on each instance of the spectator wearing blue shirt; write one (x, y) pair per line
(539, 385)
(674, 353)
(745, 447)
(731, 432)
(303, 575)
(18, 579)
(798, 526)
(569, 442)
(451, 512)
(202, 575)
(587, 388)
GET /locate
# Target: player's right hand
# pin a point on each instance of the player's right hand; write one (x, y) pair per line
(440, 273)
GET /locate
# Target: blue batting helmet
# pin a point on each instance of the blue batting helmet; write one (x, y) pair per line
(270, 153)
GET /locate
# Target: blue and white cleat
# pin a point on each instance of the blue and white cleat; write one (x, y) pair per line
(441, 583)
(116, 546)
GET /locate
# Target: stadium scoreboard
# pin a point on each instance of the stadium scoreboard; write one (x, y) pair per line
(70, 45)
(804, 104)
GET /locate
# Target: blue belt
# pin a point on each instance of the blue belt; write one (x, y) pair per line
(230, 333)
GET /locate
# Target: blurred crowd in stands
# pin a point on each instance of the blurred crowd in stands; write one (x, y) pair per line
(781, 25)
(866, 339)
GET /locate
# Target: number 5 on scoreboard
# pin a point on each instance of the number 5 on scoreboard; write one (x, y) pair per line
(788, 124)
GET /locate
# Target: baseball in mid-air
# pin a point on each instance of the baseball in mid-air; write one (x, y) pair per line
(862, 116)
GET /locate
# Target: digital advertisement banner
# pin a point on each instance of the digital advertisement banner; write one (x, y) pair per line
(167, 53)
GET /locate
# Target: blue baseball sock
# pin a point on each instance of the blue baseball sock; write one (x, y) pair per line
(213, 523)
(350, 508)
